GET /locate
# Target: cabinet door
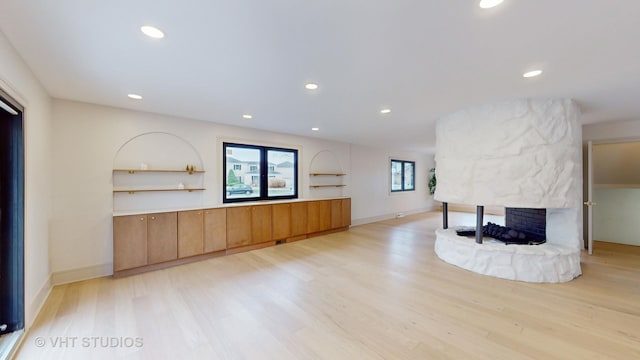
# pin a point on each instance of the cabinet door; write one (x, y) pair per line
(336, 213)
(281, 221)
(190, 233)
(319, 215)
(346, 212)
(129, 242)
(260, 224)
(238, 226)
(162, 239)
(215, 230)
(299, 218)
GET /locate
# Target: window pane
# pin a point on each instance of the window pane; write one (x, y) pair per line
(281, 174)
(243, 172)
(408, 176)
(396, 175)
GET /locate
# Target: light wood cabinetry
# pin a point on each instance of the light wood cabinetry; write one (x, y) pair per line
(299, 216)
(190, 233)
(281, 221)
(247, 225)
(336, 213)
(129, 242)
(340, 213)
(346, 212)
(319, 216)
(162, 235)
(238, 226)
(215, 230)
(260, 224)
(151, 241)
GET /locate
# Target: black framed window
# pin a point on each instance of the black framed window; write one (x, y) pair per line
(403, 175)
(255, 172)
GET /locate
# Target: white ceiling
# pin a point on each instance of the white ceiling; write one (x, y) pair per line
(423, 59)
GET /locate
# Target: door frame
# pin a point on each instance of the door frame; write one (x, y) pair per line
(16, 277)
(588, 181)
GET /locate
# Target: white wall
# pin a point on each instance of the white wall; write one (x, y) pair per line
(370, 185)
(617, 163)
(612, 130)
(87, 138)
(616, 216)
(17, 80)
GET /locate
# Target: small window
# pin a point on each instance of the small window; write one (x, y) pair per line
(403, 175)
(273, 173)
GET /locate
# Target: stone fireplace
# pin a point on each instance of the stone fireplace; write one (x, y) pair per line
(524, 155)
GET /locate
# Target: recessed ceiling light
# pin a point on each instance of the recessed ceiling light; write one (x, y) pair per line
(151, 31)
(487, 4)
(311, 86)
(135, 96)
(385, 111)
(532, 73)
(315, 129)
(247, 116)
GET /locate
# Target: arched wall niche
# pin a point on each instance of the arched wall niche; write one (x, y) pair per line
(325, 161)
(330, 182)
(157, 151)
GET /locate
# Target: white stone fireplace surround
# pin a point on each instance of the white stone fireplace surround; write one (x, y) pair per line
(524, 154)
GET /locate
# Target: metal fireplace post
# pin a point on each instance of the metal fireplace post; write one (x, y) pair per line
(445, 215)
(479, 221)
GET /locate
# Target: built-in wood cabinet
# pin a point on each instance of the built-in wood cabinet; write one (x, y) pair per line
(190, 233)
(299, 218)
(340, 213)
(261, 224)
(129, 242)
(162, 236)
(238, 226)
(149, 241)
(346, 212)
(248, 225)
(215, 230)
(318, 216)
(281, 221)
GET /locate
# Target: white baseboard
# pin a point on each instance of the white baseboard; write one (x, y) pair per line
(356, 222)
(86, 273)
(38, 302)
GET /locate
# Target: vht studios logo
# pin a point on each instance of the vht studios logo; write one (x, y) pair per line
(89, 342)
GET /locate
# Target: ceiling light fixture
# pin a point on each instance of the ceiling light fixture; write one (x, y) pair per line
(315, 129)
(532, 73)
(385, 111)
(247, 116)
(152, 31)
(311, 86)
(135, 96)
(487, 4)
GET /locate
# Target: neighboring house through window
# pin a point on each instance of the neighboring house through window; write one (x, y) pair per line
(272, 172)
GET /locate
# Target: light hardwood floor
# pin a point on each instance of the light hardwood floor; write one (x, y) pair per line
(377, 291)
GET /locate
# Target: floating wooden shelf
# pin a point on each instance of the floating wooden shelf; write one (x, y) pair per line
(319, 186)
(133, 191)
(133, 171)
(327, 174)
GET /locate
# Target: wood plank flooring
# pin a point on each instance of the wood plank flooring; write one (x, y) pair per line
(377, 291)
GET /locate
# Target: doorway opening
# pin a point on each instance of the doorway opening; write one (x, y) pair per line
(11, 215)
